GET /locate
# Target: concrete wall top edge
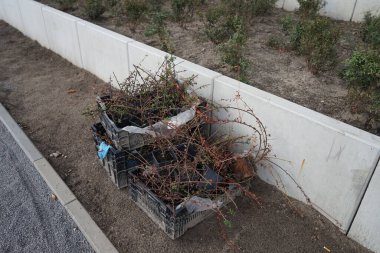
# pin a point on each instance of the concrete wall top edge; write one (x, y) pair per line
(304, 112)
(196, 68)
(60, 13)
(105, 31)
(152, 50)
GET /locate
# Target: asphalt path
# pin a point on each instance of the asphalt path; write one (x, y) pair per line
(31, 219)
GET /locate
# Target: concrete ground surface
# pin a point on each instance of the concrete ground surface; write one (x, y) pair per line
(50, 97)
(30, 219)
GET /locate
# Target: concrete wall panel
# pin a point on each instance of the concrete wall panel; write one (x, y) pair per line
(362, 6)
(339, 9)
(280, 3)
(366, 226)
(62, 34)
(146, 57)
(331, 161)
(11, 14)
(1, 10)
(104, 53)
(291, 5)
(34, 26)
(204, 78)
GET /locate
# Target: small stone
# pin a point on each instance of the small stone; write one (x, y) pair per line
(55, 154)
(53, 197)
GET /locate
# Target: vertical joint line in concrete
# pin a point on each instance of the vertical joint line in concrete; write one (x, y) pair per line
(283, 4)
(353, 10)
(362, 196)
(22, 20)
(129, 60)
(80, 48)
(46, 33)
(212, 98)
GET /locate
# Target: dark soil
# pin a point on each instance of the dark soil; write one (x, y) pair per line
(283, 73)
(34, 85)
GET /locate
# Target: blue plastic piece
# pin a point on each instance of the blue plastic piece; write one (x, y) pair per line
(103, 150)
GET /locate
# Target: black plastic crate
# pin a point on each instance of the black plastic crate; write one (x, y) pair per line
(117, 162)
(173, 221)
(126, 140)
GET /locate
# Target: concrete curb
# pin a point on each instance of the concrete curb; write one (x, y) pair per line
(94, 235)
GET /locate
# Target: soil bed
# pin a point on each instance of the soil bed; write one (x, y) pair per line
(47, 96)
(279, 72)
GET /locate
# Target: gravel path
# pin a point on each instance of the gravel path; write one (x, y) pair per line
(30, 220)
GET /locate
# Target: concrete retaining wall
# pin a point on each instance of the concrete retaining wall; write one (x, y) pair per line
(366, 225)
(61, 31)
(340, 9)
(331, 161)
(103, 52)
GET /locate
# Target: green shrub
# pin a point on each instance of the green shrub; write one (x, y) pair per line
(250, 8)
(233, 51)
(111, 3)
(183, 10)
(157, 26)
(363, 69)
(310, 8)
(261, 7)
(220, 25)
(318, 42)
(371, 30)
(296, 34)
(375, 103)
(155, 5)
(94, 8)
(66, 5)
(117, 9)
(287, 23)
(135, 9)
(316, 39)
